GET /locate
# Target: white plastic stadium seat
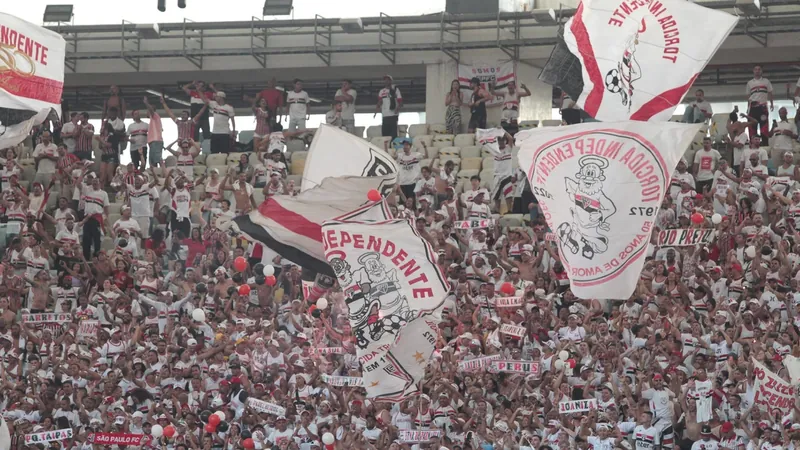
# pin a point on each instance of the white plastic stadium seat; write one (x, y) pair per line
(402, 130)
(464, 140)
(296, 156)
(437, 128)
(432, 152)
(443, 140)
(425, 163)
(526, 124)
(417, 130)
(551, 123)
(488, 163)
(471, 164)
(381, 141)
(359, 131)
(374, 131)
(418, 140)
(449, 152)
(295, 145)
(233, 158)
(472, 151)
(486, 178)
(246, 136)
(217, 159)
(466, 174)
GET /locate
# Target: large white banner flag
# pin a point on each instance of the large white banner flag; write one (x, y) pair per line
(600, 186)
(337, 153)
(639, 57)
(771, 392)
(394, 292)
(496, 75)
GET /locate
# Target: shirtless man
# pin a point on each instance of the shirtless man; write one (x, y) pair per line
(40, 292)
(114, 100)
(223, 283)
(242, 192)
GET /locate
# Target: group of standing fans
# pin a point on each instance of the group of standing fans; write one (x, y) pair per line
(191, 321)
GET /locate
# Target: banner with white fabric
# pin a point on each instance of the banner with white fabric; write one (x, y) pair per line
(292, 225)
(418, 436)
(266, 407)
(792, 365)
(574, 406)
(32, 59)
(46, 318)
(471, 365)
(686, 236)
(342, 381)
(627, 47)
(395, 293)
(48, 436)
(771, 392)
(600, 186)
(497, 75)
(337, 153)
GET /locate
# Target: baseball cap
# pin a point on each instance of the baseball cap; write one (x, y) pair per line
(705, 430)
(726, 427)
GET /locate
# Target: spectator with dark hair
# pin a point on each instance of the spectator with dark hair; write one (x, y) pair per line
(477, 105)
(224, 128)
(297, 106)
(199, 97)
(346, 95)
(390, 101)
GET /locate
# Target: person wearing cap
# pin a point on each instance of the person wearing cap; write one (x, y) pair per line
(680, 175)
(224, 128)
(707, 440)
(390, 101)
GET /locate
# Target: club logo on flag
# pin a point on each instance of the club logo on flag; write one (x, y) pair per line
(600, 189)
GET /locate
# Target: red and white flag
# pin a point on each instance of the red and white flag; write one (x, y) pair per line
(639, 57)
(31, 73)
(600, 186)
(292, 225)
(394, 293)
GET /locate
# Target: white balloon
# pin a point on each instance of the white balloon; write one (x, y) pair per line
(220, 414)
(750, 252)
(559, 364)
(322, 303)
(198, 315)
(563, 355)
(156, 430)
(716, 219)
(269, 270)
(328, 439)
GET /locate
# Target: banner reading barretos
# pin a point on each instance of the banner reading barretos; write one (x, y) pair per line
(599, 186)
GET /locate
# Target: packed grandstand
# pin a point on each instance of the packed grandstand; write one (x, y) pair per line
(233, 290)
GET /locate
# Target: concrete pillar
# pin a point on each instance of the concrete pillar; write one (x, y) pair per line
(539, 106)
(437, 84)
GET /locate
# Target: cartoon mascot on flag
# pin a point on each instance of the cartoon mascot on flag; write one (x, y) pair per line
(374, 299)
(590, 211)
(620, 80)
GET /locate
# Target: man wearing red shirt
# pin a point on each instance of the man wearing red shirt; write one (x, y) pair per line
(274, 98)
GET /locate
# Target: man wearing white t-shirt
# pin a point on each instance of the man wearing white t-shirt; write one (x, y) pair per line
(784, 135)
(141, 197)
(759, 92)
(224, 123)
(661, 406)
(699, 111)
(755, 148)
(347, 96)
(297, 106)
(95, 209)
(705, 163)
(389, 103)
(46, 155)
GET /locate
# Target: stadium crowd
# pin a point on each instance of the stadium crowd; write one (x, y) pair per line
(177, 327)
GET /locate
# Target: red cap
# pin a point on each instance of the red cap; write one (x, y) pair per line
(224, 383)
(236, 380)
(726, 427)
(657, 377)
(736, 267)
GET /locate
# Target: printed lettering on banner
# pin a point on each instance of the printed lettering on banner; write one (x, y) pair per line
(509, 302)
(497, 75)
(394, 292)
(266, 407)
(625, 48)
(527, 367)
(512, 330)
(48, 436)
(342, 381)
(327, 350)
(685, 237)
(772, 393)
(600, 186)
(307, 287)
(471, 224)
(575, 406)
(46, 318)
(476, 364)
(412, 436)
(87, 330)
(550, 237)
(115, 438)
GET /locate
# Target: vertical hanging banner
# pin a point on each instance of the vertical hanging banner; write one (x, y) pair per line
(600, 186)
(772, 393)
(497, 75)
(627, 47)
(394, 292)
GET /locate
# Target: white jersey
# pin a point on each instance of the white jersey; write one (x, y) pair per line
(186, 164)
(181, 202)
(298, 104)
(510, 105)
(675, 183)
(660, 403)
(140, 200)
(277, 141)
(758, 91)
(502, 157)
(138, 135)
(644, 438)
(409, 170)
(711, 444)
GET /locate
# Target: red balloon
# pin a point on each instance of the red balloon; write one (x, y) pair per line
(271, 280)
(211, 428)
(508, 289)
(240, 264)
(248, 443)
(244, 289)
(698, 218)
(169, 431)
(312, 308)
(374, 195)
(214, 420)
(571, 363)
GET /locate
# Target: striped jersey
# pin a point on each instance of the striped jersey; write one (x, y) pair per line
(758, 90)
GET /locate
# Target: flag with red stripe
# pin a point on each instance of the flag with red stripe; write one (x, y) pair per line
(291, 225)
(395, 293)
(639, 58)
(495, 76)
